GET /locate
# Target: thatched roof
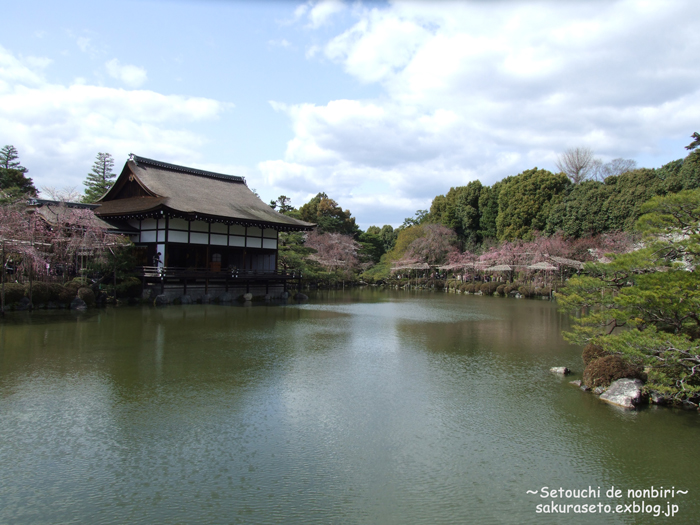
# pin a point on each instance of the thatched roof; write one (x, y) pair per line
(147, 186)
(52, 211)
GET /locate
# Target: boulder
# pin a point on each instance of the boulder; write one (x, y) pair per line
(575, 383)
(186, 299)
(560, 370)
(624, 392)
(206, 298)
(226, 298)
(161, 300)
(659, 399)
(284, 295)
(301, 297)
(24, 304)
(599, 390)
(247, 296)
(146, 294)
(78, 304)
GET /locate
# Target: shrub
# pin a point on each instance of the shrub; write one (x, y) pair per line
(73, 287)
(41, 292)
(87, 295)
(592, 352)
(544, 292)
(501, 290)
(488, 288)
(509, 288)
(609, 368)
(13, 292)
(526, 291)
(129, 287)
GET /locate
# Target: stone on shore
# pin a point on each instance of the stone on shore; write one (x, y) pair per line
(161, 300)
(624, 392)
(301, 297)
(78, 304)
(560, 370)
(247, 296)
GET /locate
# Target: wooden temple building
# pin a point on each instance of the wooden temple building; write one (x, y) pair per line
(197, 229)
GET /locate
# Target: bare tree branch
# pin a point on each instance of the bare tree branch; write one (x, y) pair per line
(576, 163)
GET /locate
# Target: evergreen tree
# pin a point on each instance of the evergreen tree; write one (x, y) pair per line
(644, 305)
(100, 179)
(8, 159)
(13, 181)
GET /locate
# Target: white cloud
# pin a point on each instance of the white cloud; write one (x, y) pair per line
(84, 44)
(322, 12)
(132, 76)
(488, 89)
(279, 43)
(58, 129)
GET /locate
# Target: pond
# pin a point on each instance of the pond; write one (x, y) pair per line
(354, 407)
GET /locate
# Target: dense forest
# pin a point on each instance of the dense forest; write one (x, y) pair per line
(580, 208)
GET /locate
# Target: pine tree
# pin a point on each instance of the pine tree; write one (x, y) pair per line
(8, 159)
(100, 179)
(14, 183)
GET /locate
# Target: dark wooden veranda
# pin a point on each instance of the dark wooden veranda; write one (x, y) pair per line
(229, 278)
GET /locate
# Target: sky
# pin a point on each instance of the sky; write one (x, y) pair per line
(381, 105)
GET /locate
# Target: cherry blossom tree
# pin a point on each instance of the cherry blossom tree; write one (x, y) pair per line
(334, 251)
(435, 246)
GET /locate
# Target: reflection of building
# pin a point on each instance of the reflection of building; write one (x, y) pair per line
(197, 220)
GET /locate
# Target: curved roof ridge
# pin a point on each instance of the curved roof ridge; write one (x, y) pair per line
(184, 169)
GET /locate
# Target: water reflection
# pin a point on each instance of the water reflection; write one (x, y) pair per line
(357, 407)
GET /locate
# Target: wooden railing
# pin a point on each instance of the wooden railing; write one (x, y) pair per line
(174, 272)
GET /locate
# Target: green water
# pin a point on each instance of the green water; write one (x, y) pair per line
(358, 407)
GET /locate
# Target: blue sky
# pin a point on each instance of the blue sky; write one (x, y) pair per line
(380, 105)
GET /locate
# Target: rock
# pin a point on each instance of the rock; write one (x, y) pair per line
(560, 370)
(301, 297)
(689, 405)
(247, 296)
(267, 298)
(598, 390)
(161, 300)
(206, 298)
(577, 382)
(585, 388)
(78, 304)
(146, 294)
(624, 392)
(659, 399)
(284, 295)
(226, 298)
(186, 299)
